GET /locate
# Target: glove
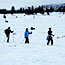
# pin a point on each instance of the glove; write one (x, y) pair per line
(52, 35)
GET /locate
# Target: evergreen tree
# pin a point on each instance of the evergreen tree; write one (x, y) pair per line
(47, 10)
(51, 9)
(12, 9)
(63, 9)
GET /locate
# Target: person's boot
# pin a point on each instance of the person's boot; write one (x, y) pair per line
(7, 41)
(51, 43)
(47, 43)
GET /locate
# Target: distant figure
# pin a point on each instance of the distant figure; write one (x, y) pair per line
(7, 32)
(32, 28)
(49, 37)
(4, 16)
(27, 35)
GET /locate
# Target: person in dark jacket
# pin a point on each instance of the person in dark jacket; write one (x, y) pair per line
(7, 32)
(27, 35)
(50, 37)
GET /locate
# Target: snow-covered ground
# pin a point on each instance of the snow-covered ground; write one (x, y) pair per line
(37, 52)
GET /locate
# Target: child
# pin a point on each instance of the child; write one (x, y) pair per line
(27, 35)
(50, 37)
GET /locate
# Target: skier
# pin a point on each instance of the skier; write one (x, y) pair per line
(49, 37)
(7, 32)
(27, 35)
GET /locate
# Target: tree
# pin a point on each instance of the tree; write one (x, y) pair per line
(51, 9)
(12, 9)
(47, 10)
(63, 9)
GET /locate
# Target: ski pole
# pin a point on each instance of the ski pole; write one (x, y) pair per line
(13, 36)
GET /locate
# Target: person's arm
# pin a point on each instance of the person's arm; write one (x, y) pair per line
(51, 33)
(11, 31)
(30, 32)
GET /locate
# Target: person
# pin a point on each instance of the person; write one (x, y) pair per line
(27, 35)
(7, 32)
(49, 37)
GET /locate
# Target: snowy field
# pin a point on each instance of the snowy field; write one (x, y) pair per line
(37, 52)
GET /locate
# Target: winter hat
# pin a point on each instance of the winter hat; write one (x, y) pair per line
(50, 28)
(26, 29)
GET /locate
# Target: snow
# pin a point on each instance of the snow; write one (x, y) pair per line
(37, 52)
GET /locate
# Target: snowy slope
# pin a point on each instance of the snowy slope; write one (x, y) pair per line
(37, 52)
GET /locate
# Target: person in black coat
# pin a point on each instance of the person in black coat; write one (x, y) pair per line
(7, 32)
(50, 37)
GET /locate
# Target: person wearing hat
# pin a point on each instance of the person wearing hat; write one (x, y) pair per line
(27, 35)
(7, 32)
(50, 37)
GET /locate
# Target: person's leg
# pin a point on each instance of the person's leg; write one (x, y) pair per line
(7, 38)
(51, 41)
(48, 42)
(27, 40)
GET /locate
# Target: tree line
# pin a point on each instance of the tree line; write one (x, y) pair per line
(32, 10)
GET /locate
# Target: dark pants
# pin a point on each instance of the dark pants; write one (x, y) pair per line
(26, 40)
(50, 39)
(7, 38)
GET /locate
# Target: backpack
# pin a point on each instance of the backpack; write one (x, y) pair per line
(5, 31)
(47, 38)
